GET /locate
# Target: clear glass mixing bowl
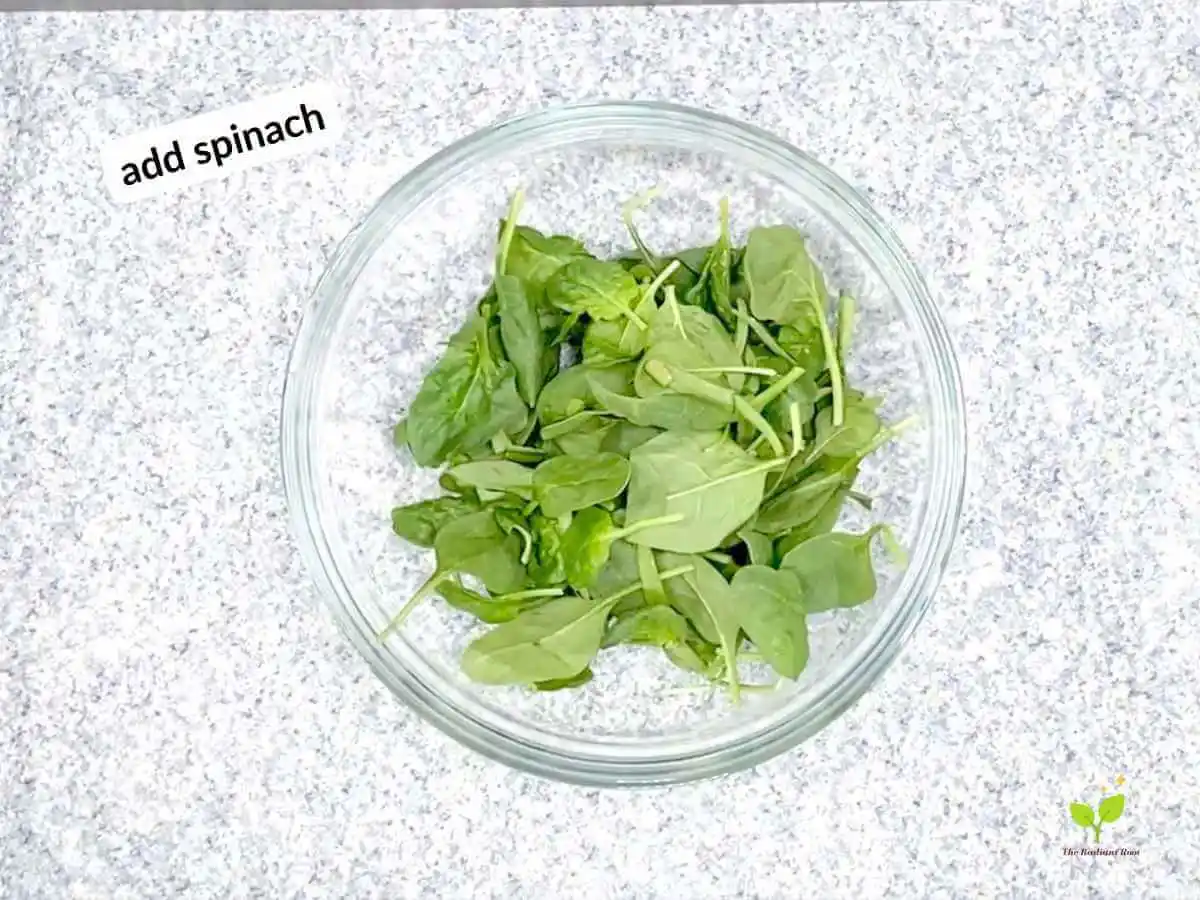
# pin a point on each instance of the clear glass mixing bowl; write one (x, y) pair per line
(402, 282)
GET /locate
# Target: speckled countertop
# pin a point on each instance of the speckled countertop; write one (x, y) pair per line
(178, 717)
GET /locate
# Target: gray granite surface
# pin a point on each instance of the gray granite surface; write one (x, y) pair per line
(179, 718)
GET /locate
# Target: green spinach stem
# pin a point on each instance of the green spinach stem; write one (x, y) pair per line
(797, 429)
(831, 362)
(531, 594)
(754, 417)
(761, 399)
(430, 585)
(845, 324)
(741, 335)
(737, 370)
(633, 205)
(763, 334)
(510, 227)
(660, 278)
(673, 305)
(643, 524)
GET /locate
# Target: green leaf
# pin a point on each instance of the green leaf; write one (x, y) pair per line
(680, 356)
(554, 641)
(835, 570)
(585, 546)
(625, 437)
(587, 439)
(521, 332)
(698, 656)
(476, 545)
(702, 331)
(533, 257)
(454, 396)
(800, 503)
(546, 569)
(493, 475)
(606, 342)
(1083, 815)
(758, 547)
(657, 626)
(705, 478)
(667, 410)
(802, 341)
(564, 484)
(602, 290)
(486, 609)
(559, 684)
(771, 613)
(588, 541)
(707, 600)
(570, 392)
(782, 276)
(509, 414)
(418, 523)
(619, 571)
(822, 523)
(652, 586)
(1111, 808)
(858, 430)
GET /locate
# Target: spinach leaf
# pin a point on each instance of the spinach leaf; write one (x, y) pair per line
(602, 290)
(654, 625)
(822, 523)
(455, 395)
(556, 640)
(606, 342)
(801, 503)
(588, 540)
(771, 612)
(782, 277)
(491, 610)
(418, 523)
(786, 286)
(493, 475)
(533, 257)
(559, 684)
(570, 392)
(665, 410)
(620, 571)
(521, 331)
(508, 415)
(709, 603)
(624, 437)
(759, 547)
(476, 545)
(702, 331)
(858, 429)
(709, 483)
(564, 484)
(834, 570)
(801, 341)
(546, 568)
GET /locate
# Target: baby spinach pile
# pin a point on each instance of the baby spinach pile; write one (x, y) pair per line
(652, 449)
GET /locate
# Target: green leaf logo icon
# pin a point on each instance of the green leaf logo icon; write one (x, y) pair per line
(1083, 815)
(1107, 811)
(1110, 808)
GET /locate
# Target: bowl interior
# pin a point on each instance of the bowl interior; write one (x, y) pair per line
(413, 290)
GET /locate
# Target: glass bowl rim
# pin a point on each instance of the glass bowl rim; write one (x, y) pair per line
(945, 481)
